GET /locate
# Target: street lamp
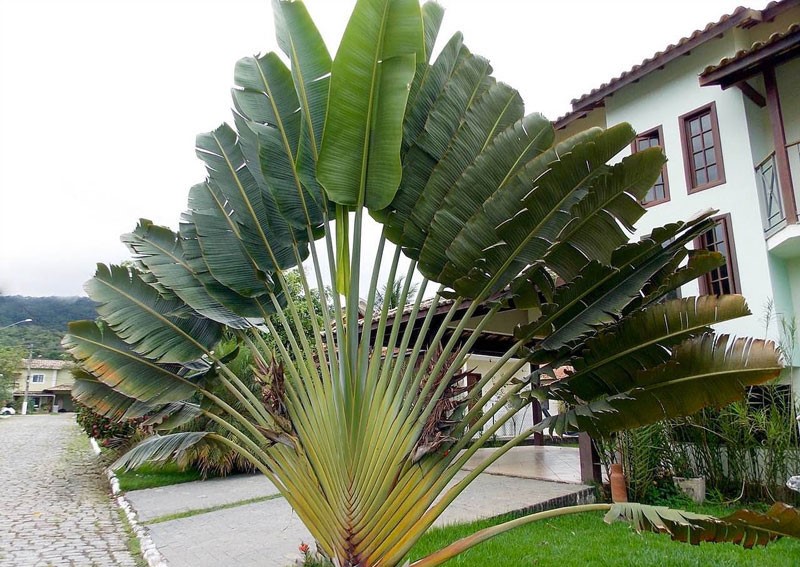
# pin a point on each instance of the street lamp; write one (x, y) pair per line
(17, 323)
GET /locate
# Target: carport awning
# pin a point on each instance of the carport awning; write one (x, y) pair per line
(60, 389)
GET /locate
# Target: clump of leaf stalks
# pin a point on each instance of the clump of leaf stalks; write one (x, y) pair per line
(492, 211)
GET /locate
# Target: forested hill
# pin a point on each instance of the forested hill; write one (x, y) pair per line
(50, 317)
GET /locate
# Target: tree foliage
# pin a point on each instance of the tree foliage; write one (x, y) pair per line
(361, 424)
(10, 361)
(50, 317)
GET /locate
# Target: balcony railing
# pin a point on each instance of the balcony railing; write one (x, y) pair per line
(773, 211)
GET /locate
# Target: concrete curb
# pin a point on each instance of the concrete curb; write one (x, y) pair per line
(585, 496)
(149, 550)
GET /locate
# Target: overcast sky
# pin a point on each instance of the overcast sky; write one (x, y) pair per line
(100, 101)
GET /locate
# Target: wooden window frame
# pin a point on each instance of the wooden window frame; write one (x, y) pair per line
(688, 162)
(733, 265)
(634, 148)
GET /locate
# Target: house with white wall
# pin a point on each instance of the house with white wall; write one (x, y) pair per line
(724, 104)
(49, 385)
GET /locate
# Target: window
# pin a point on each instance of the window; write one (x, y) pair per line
(725, 279)
(659, 192)
(37, 378)
(702, 154)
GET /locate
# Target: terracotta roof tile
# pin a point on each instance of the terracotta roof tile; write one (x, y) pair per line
(755, 48)
(59, 388)
(741, 16)
(45, 364)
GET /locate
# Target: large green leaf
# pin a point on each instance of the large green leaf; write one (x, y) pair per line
(703, 371)
(699, 262)
(164, 448)
(219, 238)
(451, 84)
(161, 329)
(359, 161)
(301, 41)
(609, 208)
(103, 355)
(424, 83)
(172, 416)
(609, 362)
(494, 115)
(262, 229)
(106, 401)
(270, 129)
(600, 294)
(744, 527)
(161, 251)
(249, 307)
(475, 247)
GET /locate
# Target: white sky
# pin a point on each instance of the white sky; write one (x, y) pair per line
(100, 101)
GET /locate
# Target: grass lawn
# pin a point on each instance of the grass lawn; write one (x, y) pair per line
(151, 476)
(584, 539)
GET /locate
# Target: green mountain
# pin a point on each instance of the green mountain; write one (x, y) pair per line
(50, 317)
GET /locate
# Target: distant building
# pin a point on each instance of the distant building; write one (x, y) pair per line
(724, 104)
(49, 385)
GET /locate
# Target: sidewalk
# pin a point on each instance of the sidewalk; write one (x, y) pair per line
(266, 533)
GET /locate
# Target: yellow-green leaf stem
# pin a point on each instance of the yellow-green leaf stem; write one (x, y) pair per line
(371, 364)
(399, 416)
(382, 416)
(420, 518)
(342, 250)
(401, 514)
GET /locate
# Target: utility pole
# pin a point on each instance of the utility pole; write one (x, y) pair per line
(27, 381)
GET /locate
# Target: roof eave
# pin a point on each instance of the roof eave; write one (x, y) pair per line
(748, 65)
(740, 18)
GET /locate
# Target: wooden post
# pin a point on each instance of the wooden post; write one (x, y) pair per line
(590, 460)
(536, 410)
(779, 139)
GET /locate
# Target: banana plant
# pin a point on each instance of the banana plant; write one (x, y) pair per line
(362, 423)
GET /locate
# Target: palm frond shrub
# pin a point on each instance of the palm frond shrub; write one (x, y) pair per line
(361, 424)
(746, 450)
(647, 459)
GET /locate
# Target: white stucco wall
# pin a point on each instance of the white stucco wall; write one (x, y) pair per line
(660, 99)
(482, 365)
(788, 78)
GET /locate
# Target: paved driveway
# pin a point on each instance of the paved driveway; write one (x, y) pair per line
(227, 528)
(55, 508)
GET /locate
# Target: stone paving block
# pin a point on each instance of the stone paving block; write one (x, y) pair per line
(56, 507)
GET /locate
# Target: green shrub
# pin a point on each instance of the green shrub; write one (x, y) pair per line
(107, 432)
